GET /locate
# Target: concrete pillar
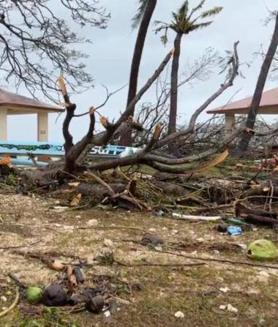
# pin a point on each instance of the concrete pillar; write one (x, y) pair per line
(3, 124)
(229, 123)
(42, 126)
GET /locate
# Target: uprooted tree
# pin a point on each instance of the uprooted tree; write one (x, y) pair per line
(49, 44)
(150, 154)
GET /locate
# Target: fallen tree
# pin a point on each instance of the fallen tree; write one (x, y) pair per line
(76, 153)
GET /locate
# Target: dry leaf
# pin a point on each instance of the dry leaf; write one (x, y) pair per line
(157, 131)
(71, 278)
(214, 162)
(56, 265)
(104, 121)
(76, 200)
(74, 184)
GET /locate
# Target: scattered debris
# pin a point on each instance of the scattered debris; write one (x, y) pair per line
(195, 218)
(224, 289)
(179, 315)
(262, 250)
(228, 307)
(92, 223)
(12, 306)
(94, 304)
(34, 294)
(54, 295)
(234, 230)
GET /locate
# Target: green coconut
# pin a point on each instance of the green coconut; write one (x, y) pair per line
(262, 250)
(34, 294)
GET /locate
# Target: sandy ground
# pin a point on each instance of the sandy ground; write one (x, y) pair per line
(212, 294)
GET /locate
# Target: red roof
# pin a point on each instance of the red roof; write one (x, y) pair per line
(268, 105)
(15, 100)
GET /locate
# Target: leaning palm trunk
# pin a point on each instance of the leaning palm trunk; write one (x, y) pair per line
(252, 114)
(137, 56)
(174, 85)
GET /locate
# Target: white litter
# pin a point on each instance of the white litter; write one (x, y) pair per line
(179, 315)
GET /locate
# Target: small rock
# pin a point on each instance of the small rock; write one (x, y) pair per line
(222, 228)
(95, 304)
(224, 289)
(92, 222)
(60, 209)
(108, 243)
(152, 230)
(55, 295)
(243, 246)
(179, 315)
(152, 240)
(232, 309)
(107, 314)
(263, 277)
(3, 298)
(222, 307)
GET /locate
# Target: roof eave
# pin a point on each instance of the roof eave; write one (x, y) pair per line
(20, 105)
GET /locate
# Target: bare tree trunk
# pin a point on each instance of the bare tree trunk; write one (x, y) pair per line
(251, 118)
(174, 85)
(137, 56)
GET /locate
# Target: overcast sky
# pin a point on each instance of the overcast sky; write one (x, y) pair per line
(111, 53)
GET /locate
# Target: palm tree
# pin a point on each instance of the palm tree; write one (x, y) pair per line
(256, 100)
(184, 22)
(142, 18)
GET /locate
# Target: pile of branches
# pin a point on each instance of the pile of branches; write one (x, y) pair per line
(153, 152)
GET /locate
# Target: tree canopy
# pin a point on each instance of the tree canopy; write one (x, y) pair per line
(39, 40)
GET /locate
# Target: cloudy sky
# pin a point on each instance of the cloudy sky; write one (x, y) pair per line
(111, 53)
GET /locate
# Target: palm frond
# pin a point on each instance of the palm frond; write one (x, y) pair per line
(198, 7)
(183, 11)
(211, 12)
(140, 12)
(199, 26)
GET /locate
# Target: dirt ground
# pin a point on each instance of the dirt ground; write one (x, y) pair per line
(150, 286)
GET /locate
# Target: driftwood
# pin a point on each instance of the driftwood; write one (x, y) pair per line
(257, 217)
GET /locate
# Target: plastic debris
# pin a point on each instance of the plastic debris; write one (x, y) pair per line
(224, 289)
(179, 315)
(234, 230)
(195, 218)
(228, 307)
(107, 314)
(262, 250)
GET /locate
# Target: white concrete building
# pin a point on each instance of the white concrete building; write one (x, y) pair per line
(14, 104)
